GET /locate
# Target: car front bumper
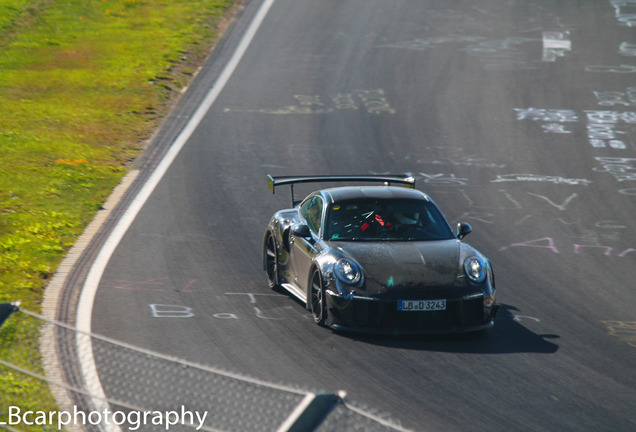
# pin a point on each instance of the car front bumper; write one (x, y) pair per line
(380, 316)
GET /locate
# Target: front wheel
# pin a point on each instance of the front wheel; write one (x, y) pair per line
(271, 262)
(317, 298)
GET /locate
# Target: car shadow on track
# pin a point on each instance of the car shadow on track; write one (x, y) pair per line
(508, 335)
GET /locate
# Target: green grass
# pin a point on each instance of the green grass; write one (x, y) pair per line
(83, 83)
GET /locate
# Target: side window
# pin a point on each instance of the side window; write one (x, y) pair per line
(311, 210)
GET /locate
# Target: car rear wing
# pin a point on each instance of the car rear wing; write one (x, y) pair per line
(405, 179)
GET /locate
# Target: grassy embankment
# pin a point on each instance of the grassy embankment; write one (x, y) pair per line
(83, 83)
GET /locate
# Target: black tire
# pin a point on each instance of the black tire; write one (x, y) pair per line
(271, 262)
(317, 298)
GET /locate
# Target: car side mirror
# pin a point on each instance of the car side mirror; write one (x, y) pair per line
(302, 231)
(463, 229)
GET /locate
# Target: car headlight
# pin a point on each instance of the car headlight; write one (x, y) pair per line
(475, 269)
(347, 271)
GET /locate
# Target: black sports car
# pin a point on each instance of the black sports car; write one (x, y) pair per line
(381, 259)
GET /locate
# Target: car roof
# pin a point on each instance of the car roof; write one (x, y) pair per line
(374, 192)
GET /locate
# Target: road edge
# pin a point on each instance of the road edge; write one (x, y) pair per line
(53, 293)
(151, 173)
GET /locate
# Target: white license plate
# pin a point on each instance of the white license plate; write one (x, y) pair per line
(421, 305)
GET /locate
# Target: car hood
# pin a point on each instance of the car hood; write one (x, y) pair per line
(406, 264)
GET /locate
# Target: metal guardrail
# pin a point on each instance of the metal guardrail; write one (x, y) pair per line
(142, 387)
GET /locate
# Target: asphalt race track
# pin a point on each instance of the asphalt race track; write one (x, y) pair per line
(517, 116)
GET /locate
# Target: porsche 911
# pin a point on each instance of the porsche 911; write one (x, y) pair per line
(377, 258)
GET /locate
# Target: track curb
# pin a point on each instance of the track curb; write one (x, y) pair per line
(53, 293)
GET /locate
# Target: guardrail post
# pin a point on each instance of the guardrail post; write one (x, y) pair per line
(311, 412)
(6, 309)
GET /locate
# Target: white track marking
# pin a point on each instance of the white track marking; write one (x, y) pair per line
(89, 290)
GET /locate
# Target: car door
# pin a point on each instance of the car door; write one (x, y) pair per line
(304, 248)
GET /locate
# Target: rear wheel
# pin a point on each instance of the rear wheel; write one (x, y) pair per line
(317, 298)
(271, 262)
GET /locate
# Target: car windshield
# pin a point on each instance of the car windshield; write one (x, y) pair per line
(386, 220)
